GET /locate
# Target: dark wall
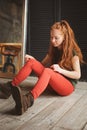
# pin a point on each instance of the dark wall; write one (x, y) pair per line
(41, 17)
(75, 13)
(43, 13)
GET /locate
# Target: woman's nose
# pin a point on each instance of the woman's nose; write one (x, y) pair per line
(53, 40)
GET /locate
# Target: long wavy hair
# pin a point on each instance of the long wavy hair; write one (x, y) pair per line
(69, 47)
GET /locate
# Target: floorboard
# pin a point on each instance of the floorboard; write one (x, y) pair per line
(49, 112)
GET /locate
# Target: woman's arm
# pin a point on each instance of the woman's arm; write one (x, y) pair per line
(75, 74)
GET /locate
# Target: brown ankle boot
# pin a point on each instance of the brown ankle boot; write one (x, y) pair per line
(23, 102)
(5, 90)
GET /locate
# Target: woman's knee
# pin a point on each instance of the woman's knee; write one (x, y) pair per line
(30, 62)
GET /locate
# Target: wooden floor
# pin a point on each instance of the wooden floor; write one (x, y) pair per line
(49, 112)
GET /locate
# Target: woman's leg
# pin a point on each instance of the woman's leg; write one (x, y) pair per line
(46, 76)
(60, 84)
(25, 71)
(24, 101)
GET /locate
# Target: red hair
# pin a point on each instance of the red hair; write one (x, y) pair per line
(69, 46)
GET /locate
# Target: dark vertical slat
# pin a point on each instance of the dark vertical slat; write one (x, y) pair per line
(41, 18)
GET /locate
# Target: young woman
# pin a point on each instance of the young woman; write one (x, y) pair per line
(63, 59)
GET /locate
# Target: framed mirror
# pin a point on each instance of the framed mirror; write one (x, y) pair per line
(12, 37)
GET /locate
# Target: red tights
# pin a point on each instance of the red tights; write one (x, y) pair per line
(46, 76)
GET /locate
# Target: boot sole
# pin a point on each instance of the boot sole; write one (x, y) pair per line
(18, 97)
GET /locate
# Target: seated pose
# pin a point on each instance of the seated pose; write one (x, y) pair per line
(60, 68)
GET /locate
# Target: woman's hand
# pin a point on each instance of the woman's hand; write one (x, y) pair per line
(56, 68)
(73, 74)
(27, 57)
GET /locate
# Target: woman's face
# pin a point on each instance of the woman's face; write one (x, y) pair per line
(56, 38)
